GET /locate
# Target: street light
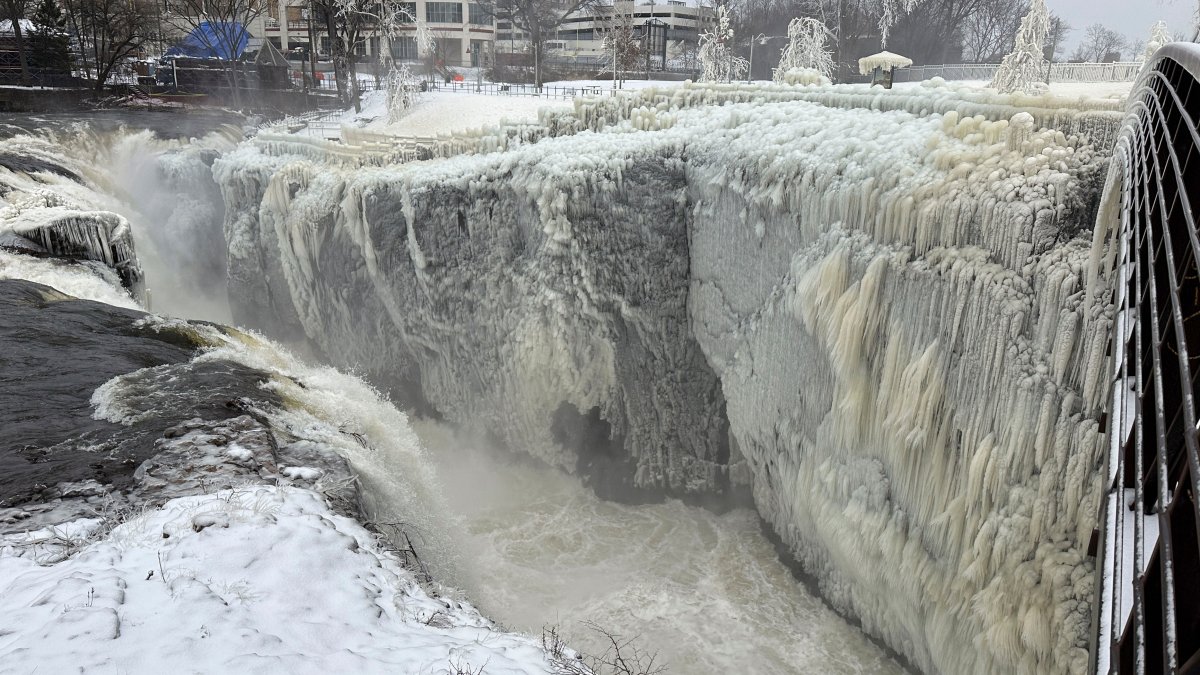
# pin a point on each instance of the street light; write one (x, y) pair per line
(762, 40)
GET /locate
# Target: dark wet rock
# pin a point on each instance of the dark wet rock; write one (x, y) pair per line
(57, 351)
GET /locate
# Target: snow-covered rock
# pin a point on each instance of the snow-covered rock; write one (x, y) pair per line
(239, 542)
(259, 579)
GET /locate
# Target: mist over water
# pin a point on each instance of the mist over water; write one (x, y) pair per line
(707, 592)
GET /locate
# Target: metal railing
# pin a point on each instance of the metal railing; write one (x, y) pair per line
(503, 89)
(42, 79)
(1125, 71)
(1148, 566)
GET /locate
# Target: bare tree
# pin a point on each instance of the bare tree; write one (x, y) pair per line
(219, 27)
(109, 31)
(1100, 44)
(15, 11)
(538, 19)
(621, 46)
(990, 32)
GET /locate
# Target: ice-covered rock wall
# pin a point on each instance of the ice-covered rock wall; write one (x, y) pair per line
(873, 317)
(503, 298)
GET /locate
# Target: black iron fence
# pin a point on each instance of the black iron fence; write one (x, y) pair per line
(42, 79)
(1148, 617)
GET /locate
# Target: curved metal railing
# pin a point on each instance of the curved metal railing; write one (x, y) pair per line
(1148, 566)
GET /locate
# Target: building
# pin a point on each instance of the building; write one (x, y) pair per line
(672, 27)
(463, 32)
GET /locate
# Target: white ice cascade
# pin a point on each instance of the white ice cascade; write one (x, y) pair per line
(884, 293)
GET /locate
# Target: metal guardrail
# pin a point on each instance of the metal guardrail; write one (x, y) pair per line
(1125, 71)
(1148, 566)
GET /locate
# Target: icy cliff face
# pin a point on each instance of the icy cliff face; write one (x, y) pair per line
(885, 303)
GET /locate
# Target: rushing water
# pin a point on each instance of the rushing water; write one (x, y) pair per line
(706, 592)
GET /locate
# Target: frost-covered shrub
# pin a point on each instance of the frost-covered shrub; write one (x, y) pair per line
(805, 51)
(1025, 64)
(1159, 36)
(402, 90)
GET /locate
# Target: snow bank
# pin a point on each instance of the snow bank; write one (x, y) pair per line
(259, 578)
(881, 292)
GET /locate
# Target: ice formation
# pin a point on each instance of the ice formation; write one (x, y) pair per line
(805, 50)
(881, 292)
(884, 60)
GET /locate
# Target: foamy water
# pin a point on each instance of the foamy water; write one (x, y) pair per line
(706, 592)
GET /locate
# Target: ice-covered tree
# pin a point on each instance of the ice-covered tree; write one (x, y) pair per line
(1159, 36)
(352, 22)
(890, 12)
(1025, 65)
(805, 49)
(718, 62)
(402, 90)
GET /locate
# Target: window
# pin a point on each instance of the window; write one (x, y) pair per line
(443, 12)
(404, 48)
(478, 15)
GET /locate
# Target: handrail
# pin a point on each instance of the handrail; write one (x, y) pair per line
(1122, 71)
(1148, 561)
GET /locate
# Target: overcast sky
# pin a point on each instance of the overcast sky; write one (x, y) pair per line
(1131, 18)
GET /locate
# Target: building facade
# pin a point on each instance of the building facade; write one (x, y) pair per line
(670, 26)
(463, 33)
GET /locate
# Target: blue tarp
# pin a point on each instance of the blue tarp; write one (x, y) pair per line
(220, 40)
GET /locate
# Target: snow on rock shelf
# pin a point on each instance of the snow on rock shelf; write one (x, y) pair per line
(865, 307)
(237, 545)
(254, 579)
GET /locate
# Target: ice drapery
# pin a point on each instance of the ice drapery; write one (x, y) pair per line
(881, 294)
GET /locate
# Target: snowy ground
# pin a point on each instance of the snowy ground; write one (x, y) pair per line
(443, 112)
(259, 579)
(447, 112)
(1067, 89)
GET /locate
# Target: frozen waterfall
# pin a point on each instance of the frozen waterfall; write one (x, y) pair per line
(865, 309)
